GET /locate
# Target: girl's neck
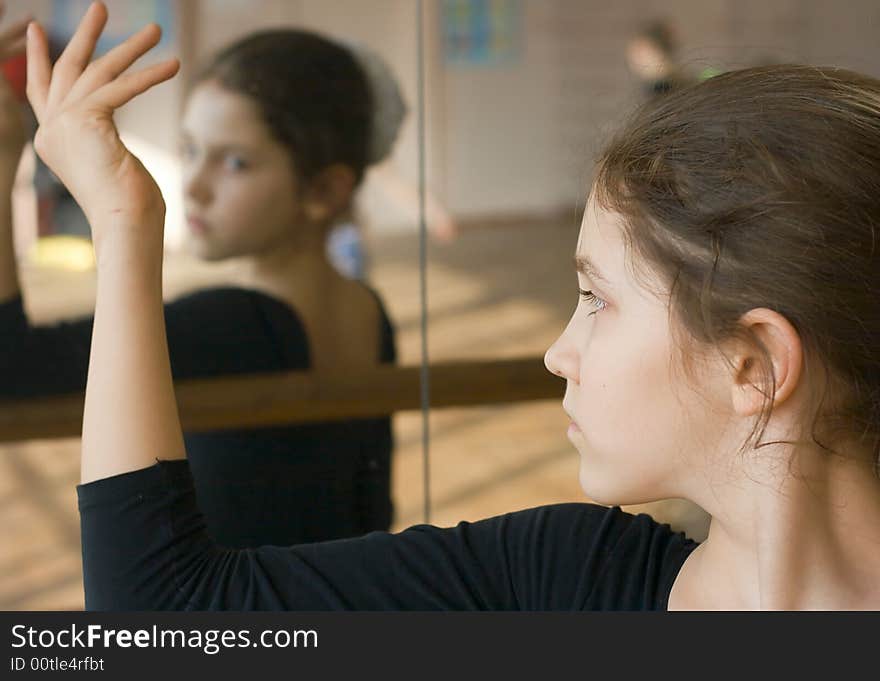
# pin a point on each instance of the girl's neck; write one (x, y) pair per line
(333, 309)
(298, 267)
(809, 542)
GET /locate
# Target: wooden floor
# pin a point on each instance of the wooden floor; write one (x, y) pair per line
(495, 292)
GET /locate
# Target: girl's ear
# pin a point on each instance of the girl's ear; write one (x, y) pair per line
(751, 386)
(329, 193)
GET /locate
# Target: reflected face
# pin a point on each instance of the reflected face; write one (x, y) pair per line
(646, 60)
(240, 188)
(639, 430)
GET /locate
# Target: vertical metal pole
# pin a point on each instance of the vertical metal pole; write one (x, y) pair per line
(423, 259)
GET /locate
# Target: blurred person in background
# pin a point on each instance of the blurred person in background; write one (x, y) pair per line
(652, 57)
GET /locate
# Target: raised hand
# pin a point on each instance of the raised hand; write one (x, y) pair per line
(77, 138)
(12, 132)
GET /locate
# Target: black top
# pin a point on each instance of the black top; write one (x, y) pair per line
(145, 547)
(279, 485)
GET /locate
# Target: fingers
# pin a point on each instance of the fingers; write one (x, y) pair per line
(39, 69)
(78, 53)
(116, 61)
(101, 84)
(124, 88)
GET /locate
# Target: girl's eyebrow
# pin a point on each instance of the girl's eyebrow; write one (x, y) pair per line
(185, 136)
(586, 267)
(223, 148)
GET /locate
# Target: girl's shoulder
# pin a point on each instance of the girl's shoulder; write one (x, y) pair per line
(232, 324)
(265, 323)
(629, 560)
(361, 311)
(387, 331)
(603, 524)
(234, 305)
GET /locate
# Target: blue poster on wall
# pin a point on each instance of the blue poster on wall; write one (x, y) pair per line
(124, 18)
(481, 32)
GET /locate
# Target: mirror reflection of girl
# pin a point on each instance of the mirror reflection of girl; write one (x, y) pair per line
(723, 350)
(276, 136)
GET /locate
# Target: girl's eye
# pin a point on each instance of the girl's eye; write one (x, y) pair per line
(188, 150)
(592, 299)
(234, 163)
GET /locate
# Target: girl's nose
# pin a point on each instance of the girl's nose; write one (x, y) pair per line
(562, 360)
(195, 185)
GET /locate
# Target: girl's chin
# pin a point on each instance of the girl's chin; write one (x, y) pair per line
(595, 493)
(600, 484)
(201, 249)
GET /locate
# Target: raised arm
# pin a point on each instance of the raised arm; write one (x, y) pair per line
(130, 414)
(12, 139)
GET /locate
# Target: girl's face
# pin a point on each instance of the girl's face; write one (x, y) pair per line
(240, 189)
(641, 432)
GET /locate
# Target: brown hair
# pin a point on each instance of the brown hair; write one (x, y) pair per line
(311, 91)
(761, 188)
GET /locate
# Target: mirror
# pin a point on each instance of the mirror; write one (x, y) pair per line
(283, 163)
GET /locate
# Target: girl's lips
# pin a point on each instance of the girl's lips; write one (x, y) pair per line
(572, 426)
(196, 225)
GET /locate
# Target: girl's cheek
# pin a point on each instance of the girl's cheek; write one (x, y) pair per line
(236, 198)
(600, 365)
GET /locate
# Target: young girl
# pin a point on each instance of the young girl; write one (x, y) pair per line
(276, 136)
(723, 350)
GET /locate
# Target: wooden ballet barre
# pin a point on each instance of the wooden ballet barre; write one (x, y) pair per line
(303, 397)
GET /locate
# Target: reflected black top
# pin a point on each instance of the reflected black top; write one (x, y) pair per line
(279, 485)
(145, 548)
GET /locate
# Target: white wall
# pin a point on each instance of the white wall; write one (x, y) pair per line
(521, 139)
